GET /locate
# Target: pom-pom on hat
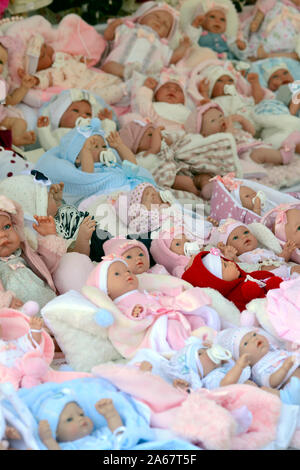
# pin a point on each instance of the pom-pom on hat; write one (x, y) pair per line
(221, 233)
(132, 133)
(119, 246)
(98, 277)
(230, 339)
(193, 123)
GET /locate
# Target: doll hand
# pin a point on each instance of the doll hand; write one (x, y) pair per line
(28, 81)
(105, 114)
(105, 407)
(43, 121)
(45, 225)
(12, 433)
(253, 78)
(214, 222)
(288, 363)
(184, 43)
(241, 44)
(57, 191)
(150, 83)
(45, 432)
(87, 227)
(36, 323)
(288, 249)
(203, 88)
(16, 303)
(257, 206)
(138, 309)
(230, 252)
(114, 140)
(181, 384)
(198, 21)
(145, 366)
(243, 361)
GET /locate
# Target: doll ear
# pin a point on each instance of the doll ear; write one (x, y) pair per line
(104, 318)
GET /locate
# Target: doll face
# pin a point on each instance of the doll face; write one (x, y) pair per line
(9, 239)
(213, 121)
(170, 93)
(136, 260)
(242, 240)
(278, 78)
(151, 197)
(74, 111)
(73, 424)
(151, 139)
(46, 57)
(120, 280)
(98, 144)
(215, 21)
(257, 346)
(160, 21)
(230, 271)
(292, 227)
(177, 245)
(246, 196)
(3, 57)
(218, 89)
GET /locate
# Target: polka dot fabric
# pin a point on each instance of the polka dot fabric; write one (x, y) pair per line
(11, 164)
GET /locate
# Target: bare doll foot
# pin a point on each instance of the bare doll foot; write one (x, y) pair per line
(12, 433)
(27, 138)
(257, 21)
(261, 53)
(145, 366)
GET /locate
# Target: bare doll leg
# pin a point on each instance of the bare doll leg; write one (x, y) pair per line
(114, 68)
(267, 155)
(257, 21)
(185, 183)
(262, 54)
(18, 127)
(202, 182)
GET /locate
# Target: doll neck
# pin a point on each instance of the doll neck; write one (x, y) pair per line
(121, 297)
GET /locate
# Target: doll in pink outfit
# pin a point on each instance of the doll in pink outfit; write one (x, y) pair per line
(237, 243)
(135, 254)
(27, 274)
(142, 42)
(157, 319)
(11, 118)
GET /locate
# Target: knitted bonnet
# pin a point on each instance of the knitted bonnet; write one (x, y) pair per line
(119, 246)
(132, 133)
(193, 123)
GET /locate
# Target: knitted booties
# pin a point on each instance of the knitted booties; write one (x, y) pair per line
(287, 149)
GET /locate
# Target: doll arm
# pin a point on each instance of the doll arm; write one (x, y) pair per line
(110, 31)
(228, 251)
(257, 90)
(251, 290)
(279, 376)
(180, 51)
(50, 247)
(28, 81)
(232, 376)
(245, 123)
(45, 135)
(287, 250)
(106, 408)
(115, 141)
(46, 437)
(35, 323)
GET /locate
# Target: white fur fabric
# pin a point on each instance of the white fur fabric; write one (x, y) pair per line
(265, 237)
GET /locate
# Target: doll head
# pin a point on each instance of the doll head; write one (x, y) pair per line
(219, 267)
(206, 120)
(76, 109)
(244, 340)
(151, 197)
(234, 233)
(11, 226)
(113, 277)
(46, 57)
(277, 75)
(140, 136)
(247, 196)
(170, 92)
(218, 77)
(134, 252)
(169, 249)
(287, 223)
(73, 424)
(215, 21)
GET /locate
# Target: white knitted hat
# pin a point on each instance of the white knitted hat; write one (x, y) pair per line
(213, 264)
(268, 71)
(230, 339)
(213, 73)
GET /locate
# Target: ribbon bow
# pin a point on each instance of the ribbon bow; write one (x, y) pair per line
(228, 180)
(141, 33)
(94, 127)
(215, 251)
(40, 178)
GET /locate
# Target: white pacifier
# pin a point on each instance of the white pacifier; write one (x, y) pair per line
(191, 248)
(81, 121)
(166, 196)
(230, 90)
(108, 157)
(262, 196)
(218, 354)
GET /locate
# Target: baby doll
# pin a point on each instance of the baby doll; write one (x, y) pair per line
(135, 254)
(66, 110)
(11, 350)
(238, 244)
(210, 269)
(68, 71)
(144, 43)
(148, 313)
(274, 30)
(281, 82)
(211, 27)
(173, 250)
(99, 160)
(11, 118)
(27, 274)
(270, 366)
(63, 425)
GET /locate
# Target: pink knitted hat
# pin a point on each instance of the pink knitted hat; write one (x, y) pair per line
(281, 220)
(150, 7)
(193, 123)
(161, 253)
(118, 246)
(98, 277)
(221, 233)
(171, 75)
(132, 133)
(230, 339)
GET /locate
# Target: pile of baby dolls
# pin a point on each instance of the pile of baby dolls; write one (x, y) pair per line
(150, 229)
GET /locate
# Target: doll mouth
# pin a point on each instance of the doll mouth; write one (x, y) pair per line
(259, 343)
(247, 241)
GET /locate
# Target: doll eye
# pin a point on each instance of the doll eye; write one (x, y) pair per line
(254, 334)
(69, 420)
(298, 228)
(235, 238)
(128, 257)
(117, 274)
(6, 227)
(177, 244)
(141, 254)
(246, 231)
(245, 344)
